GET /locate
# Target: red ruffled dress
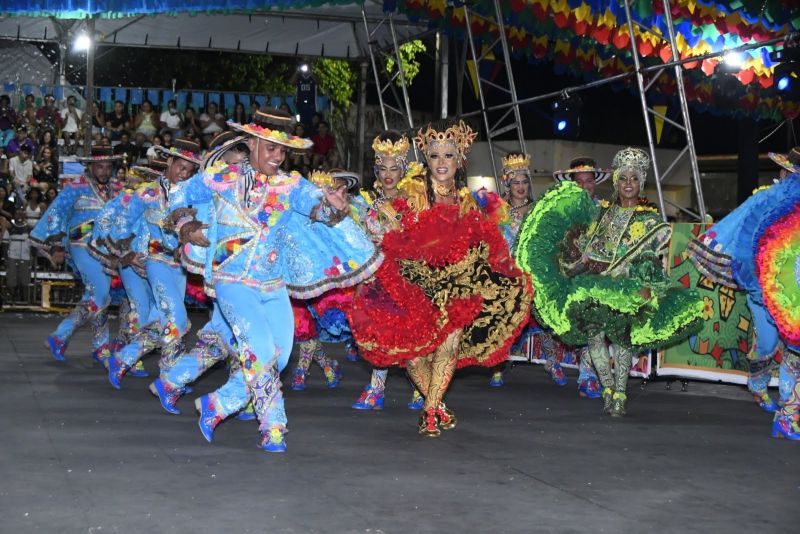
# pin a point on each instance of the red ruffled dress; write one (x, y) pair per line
(447, 268)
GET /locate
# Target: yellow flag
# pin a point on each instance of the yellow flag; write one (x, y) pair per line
(661, 110)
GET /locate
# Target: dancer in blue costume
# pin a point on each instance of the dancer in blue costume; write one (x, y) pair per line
(149, 245)
(377, 216)
(728, 254)
(139, 314)
(215, 340)
(263, 245)
(64, 231)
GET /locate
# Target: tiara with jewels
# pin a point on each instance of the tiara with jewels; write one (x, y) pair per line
(391, 148)
(461, 135)
(516, 163)
(632, 158)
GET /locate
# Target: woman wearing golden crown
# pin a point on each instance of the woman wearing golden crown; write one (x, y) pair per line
(393, 176)
(448, 285)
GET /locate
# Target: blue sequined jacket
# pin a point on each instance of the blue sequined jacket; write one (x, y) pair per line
(265, 231)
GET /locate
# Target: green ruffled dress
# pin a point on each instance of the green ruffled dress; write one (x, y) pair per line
(590, 280)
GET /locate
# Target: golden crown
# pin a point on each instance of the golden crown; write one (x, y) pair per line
(322, 179)
(395, 149)
(516, 162)
(459, 134)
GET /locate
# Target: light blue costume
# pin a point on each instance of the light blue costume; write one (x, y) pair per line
(725, 253)
(68, 223)
(142, 221)
(139, 314)
(264, 245)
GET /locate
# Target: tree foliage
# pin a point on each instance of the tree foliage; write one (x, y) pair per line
(408, 57)
(337, 79)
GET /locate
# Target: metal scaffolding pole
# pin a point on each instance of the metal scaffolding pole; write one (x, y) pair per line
(496, 124)
(385, 83)
(645, 109)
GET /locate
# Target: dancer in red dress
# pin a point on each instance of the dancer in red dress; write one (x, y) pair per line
(448, 285)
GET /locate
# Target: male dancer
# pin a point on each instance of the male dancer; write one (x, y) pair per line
(262, 245)
(65, 230)
(150, 245)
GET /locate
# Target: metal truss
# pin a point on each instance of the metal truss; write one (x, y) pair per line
(648, 112)
(496, 122)
(387, 85)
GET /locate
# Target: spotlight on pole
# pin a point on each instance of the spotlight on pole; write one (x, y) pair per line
(303, 67)
(566, 116)
(82, 42)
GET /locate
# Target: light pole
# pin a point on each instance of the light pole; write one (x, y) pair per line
(85, 41)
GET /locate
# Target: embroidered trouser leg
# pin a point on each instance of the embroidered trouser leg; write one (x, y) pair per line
(93, 305)
(169, 290)
(585, 367)
(549, 350)
(138, 308)
(213, 345)
(790, 385)
(766, 343)
(377, 381)
(598, 352)
(623, 359)
(307, 351)
(263, 324)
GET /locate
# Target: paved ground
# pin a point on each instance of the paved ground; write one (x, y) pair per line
(77, 456)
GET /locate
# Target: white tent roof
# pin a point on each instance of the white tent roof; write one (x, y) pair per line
(329, 31)
(25, 64)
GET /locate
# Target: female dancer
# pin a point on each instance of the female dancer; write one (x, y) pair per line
(448, 286)
(378, 217)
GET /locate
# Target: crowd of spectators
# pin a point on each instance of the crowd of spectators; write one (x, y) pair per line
(34, 140)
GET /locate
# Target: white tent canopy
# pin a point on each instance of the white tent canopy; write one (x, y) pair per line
(335, 31)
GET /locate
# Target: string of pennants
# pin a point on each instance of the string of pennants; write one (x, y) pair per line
(591, 39)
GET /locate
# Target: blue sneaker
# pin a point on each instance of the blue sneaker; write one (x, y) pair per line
(784, 427)
(299, 380)
(209, 418)
(765, 402)
(590, 389)
(558, 376)
(273, 440)
(369, 400)
(116, 371)
(417, 401)
(57, 348)
(167, 394)
(496, 380)
(351, 353)
(138, 370)
(248, 414)
(333, 374)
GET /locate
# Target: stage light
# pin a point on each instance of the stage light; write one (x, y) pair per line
(82, 42)
(734, 59)
(303, 67)
(566, 116)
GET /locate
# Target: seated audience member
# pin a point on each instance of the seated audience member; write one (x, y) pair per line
(7, 207)
(151, 153)
(71, 118)
(45, 169)
(141, 144)
(212, 122)
(239, 115)
(146, 120)
(34, 207)
(98, 119)
(191, 124)
(167, 137)
(48, 116)
(47, 140)
(18, 256)
(50, 194)
(323, 144)
(126, 148)
(8, 119)
(20, 139)
(21, 169)
(171, 119)
(117, 121)
(28, 116)
(254, 106)
(299, 160)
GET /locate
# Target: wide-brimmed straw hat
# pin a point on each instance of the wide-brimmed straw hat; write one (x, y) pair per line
(583, 164)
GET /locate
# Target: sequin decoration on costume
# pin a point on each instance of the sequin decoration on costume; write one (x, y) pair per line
(228, 249)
